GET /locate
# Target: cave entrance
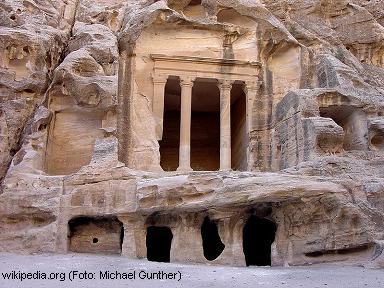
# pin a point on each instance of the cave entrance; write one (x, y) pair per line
(97, 235)
(239, 138)
(258, 236)
(169, 145)
(212, 245)
(205, 125)
(159, 240)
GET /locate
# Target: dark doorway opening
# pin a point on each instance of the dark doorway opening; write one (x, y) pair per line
(159, 240)
(258, 236)
(205, 126)
(239, 137)
(169, 144)
(212, 245)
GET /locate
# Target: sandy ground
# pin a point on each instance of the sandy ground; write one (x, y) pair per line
(71, 270)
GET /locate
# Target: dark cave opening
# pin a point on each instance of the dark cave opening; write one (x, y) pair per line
(158, 241)
(212, 245)
(258, 236)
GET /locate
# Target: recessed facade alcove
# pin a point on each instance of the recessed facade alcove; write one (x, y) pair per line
(258, 236)
(208, 97)
(205, 126)
(97, 235)
(239, 135)
(169, 144)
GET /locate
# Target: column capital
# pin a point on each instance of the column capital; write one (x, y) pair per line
(253, 86)
(159, 79)
(225, 84)
(186, 81)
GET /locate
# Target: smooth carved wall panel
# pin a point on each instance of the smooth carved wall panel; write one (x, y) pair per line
(171, 41)
(285, 68)
(71, 141)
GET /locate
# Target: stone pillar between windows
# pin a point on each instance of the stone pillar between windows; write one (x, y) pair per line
(252, 91)
(225, 87)
(159, 83)
(185, 125)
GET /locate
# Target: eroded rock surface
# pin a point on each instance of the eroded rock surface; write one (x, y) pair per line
(33, 37)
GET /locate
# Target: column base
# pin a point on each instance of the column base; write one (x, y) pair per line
(184, 169)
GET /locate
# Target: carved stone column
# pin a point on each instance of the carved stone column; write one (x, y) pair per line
(225, 87)
(185, 125)
(159, 83)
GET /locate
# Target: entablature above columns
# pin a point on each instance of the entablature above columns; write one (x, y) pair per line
(188, 69)
(209, 68)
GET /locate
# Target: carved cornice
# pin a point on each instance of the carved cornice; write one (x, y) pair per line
(214, 61)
